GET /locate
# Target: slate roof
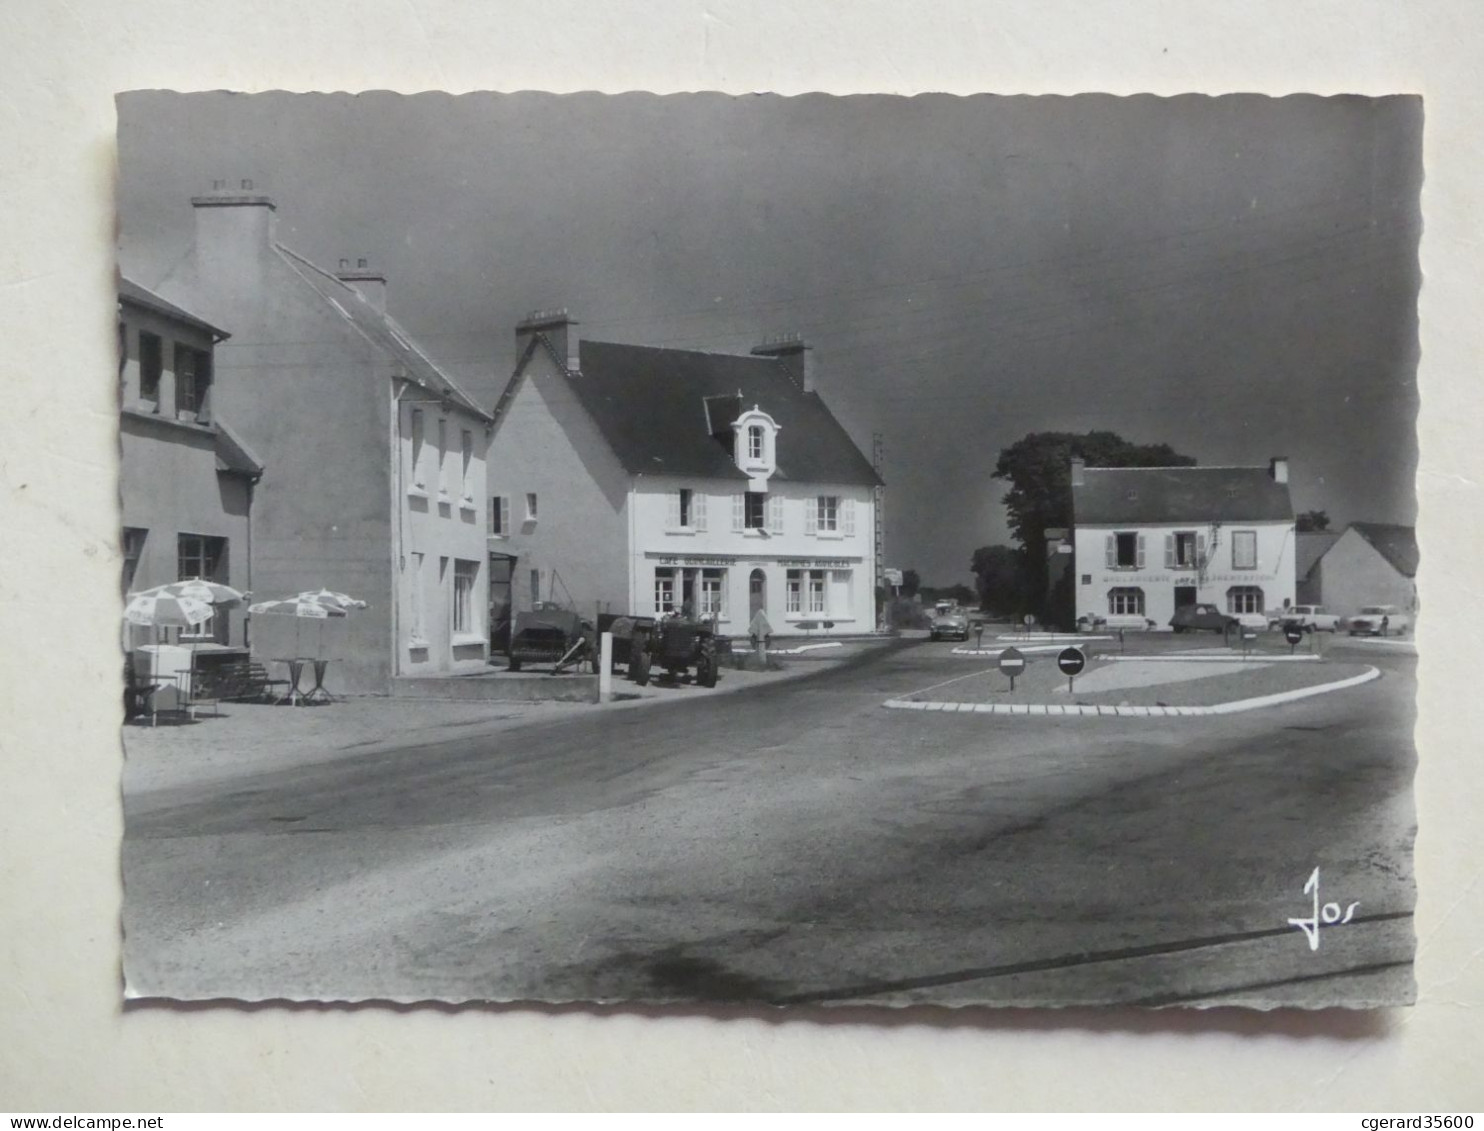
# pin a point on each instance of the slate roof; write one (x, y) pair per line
(1162, 495)
(1311, 546)
(381, 330)
(651, 405)
(1397, 544)
(131, 292)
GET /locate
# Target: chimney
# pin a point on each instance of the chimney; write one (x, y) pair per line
(234, 237)
(1278, 469)
(1079, 469)
(368, 282)
(794, 354)
(558, 328)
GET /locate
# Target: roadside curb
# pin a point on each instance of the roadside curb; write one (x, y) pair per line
(1029, 649)
(1235, 658)
(1063, 710)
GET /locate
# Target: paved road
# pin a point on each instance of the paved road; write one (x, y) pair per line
(801, 844)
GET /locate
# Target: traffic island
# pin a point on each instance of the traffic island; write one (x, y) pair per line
(1129, 687)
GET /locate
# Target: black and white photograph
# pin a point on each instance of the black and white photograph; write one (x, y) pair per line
(802, 551)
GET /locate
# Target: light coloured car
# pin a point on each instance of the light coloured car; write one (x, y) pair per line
(1311, 618)
(1378, 620)
(952, 623)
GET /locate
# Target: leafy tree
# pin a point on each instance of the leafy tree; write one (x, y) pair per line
(1311, 521)
(1038, 469)
(1001, 575)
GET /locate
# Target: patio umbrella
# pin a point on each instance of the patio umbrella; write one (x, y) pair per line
(212, 592)
(165, 610)
(300, 607)
(333, 599)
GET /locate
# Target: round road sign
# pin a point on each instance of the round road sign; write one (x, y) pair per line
(1012, 661)
(1071, 661)
(1292, 632)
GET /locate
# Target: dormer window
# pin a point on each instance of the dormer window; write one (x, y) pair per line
(755, 444)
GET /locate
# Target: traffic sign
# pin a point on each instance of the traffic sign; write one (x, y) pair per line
(1012, 661)
(1071, 661)
(1292, 633)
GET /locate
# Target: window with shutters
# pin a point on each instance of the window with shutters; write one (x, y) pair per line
(847, 517)
(827, 512)
(1181, 550)
(1126, 601)
(775, 514)
(415, 427)
(151, 364)
(192, 381)
(683, 507)
(1244, 549)
(754, 511)
(1126, 550)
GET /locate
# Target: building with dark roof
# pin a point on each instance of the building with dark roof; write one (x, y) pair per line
(640, 479)
(1371, 563)
(1148, 540)
(187, 481)
(375, 456)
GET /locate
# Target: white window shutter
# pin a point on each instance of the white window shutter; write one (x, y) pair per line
(494, 513)
(848, 517)
(698, 510)
(1200, 551)
(737, 513)
(1112, 551)
(811, 516)
(1141, 552)
(672, 516)
(1169, 551)
(775, 514)
(504, 514)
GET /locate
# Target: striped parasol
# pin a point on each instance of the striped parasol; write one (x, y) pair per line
(333, 599)
(165, 610)
(212, 592)
(300, 606)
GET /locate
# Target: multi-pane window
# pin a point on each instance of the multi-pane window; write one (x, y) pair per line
(793, 591)
(1126, 601)
(419, 479)
(1244, 549)
(807, 591)
(754, 510)
(200, 555)
(1244, 599)
(683, 505)
(192, 379)
(828, 512)
(499, 515)
(1126, 550)
(664, 590)
(816, 593)
(133, 547)
(465, 576)
(1185, 546)
(151, 355)
(713, 592)
(755, 441)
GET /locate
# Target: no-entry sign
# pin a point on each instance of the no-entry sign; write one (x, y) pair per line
(1071, 661)
(1012, 663)
(1292, 633)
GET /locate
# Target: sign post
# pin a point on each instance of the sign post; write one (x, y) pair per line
(1248, 635)
(979, 636)
(1071, 661)
(1012, 663)
(1293, 634)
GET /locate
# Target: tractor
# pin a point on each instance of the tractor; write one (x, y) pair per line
(674, 643)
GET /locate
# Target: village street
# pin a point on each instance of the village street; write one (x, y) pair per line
(798, 843)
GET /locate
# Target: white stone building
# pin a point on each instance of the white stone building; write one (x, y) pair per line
(637, 479)
(1148, 540)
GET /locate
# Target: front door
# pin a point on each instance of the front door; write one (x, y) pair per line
(1184, 595)
(757, 593)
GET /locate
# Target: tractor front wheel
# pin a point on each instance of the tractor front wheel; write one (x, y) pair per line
(639, 666)
(706, 666)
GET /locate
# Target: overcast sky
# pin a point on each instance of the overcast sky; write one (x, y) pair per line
(1234, 276)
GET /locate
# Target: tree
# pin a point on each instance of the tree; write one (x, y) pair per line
(1311, 521)
(911, 582)
(1038, 468)
(1000, 573)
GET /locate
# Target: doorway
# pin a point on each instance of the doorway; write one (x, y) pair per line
(757, 593)
(1185, 595)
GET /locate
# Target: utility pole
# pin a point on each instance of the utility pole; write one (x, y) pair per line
(878, 501)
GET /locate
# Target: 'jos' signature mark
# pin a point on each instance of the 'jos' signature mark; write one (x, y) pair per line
(1330, 914)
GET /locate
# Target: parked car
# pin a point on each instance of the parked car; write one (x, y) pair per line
(1378, 620)
(953, 622)
(1311, 618)
(1199, 618)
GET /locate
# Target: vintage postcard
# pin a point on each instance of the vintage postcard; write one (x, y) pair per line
(799, 551)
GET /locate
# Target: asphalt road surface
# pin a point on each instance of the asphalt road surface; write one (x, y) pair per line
(801, 844)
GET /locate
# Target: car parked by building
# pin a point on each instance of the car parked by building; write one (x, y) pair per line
(1311, 618)
(1202, 618)
(1378, 620)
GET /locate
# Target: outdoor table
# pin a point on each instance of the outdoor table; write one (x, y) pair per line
(317, 693)
(295, 664)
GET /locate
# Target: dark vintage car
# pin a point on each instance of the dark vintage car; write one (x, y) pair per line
(1202, 618)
